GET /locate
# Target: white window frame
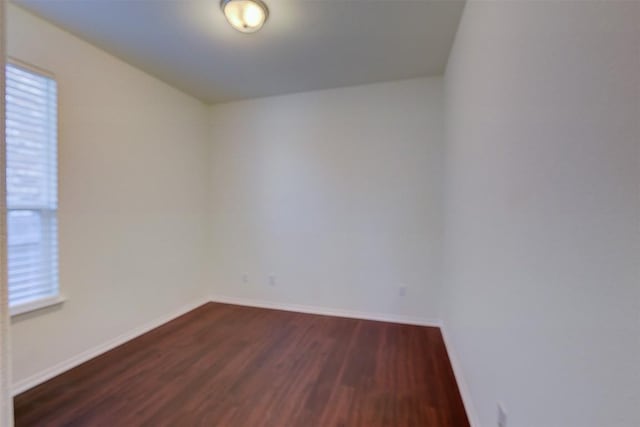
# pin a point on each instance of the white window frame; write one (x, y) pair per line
(57, 298)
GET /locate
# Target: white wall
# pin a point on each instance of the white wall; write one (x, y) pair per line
(336, 193)
(6, 408)
(542, 211)
(132, 197)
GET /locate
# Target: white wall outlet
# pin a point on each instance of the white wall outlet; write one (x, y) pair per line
(502, 416)
(245, 277)
(272, 280)
(402, 290)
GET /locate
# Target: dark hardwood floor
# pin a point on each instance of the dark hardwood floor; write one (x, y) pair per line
(226, 365)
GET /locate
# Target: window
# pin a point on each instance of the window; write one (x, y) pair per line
(31, 141)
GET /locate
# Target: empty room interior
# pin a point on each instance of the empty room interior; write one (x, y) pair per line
(320, 213)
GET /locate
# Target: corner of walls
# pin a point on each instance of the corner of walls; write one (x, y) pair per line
(326, 192)
(132, 199)
(447, 333)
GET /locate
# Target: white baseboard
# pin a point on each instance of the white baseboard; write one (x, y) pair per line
(299, 308)
(74, 361)
(462, 384)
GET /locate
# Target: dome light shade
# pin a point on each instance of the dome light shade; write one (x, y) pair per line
(247, 16)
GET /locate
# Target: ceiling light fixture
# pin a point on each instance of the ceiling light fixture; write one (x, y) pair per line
(247, 16)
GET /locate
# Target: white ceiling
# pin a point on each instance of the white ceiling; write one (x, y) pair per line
(305, 44)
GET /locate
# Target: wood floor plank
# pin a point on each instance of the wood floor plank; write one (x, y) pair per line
(226, 365)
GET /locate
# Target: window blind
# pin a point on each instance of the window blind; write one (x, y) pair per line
(31, 143)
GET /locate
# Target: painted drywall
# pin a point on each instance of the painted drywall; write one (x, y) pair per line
(542, 271)
(6, 407)
(132, 198)
(335, 193)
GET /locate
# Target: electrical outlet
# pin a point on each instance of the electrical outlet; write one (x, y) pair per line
(272, 280)
(245, 277)
(402, 290)
(502, 416)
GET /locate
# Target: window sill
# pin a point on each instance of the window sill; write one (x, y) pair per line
(36, 305)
